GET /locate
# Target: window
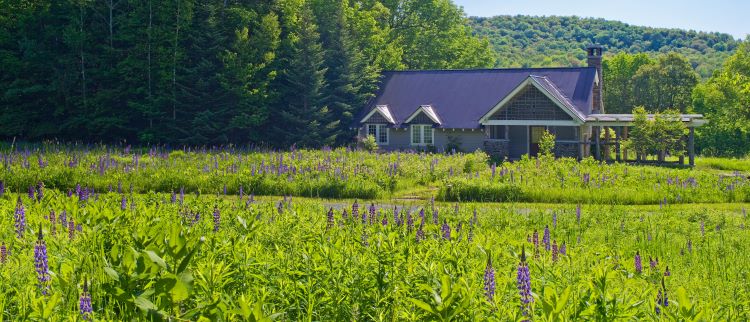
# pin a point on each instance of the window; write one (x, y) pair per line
(497, 132)
(565, 133)
(422, 135)
(379, 132)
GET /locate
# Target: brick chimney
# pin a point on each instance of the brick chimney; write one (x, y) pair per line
(594, 59)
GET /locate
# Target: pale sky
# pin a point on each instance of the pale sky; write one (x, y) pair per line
(727, 16)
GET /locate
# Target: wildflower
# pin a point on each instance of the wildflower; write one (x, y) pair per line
(242, 192)
(71, 229)
(435, 214)
(217, 218)
(124, 203)
(182, 195)
(64, 219)
(545, 238)
(174, 197)
(659, 301)
(409, 221)
(667, 272)
(578, 214)
(703, 229)
(420, 232)
(653, 262)
(40, 262)
(31, 193)
(280, 207)
(40, 191)
(474, 219)
(329, 222)
(638, 265)
(355, 209)
(523, 283)
(385, 221)
(372, 212)
(2, 188)
(554, 251)
(3, 253)
(53, 222)
(20, 219)
(364, 238)
(84, 303)
(554, 219)
(344, 215)
(489, 279)
(446, 229)
(563, 249)
(535, 239)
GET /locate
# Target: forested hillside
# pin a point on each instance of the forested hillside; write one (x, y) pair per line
(531, 41)
(213, 71)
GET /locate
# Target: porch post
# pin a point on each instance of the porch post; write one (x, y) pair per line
(598, 143)
(625, 137)
(691, 146)
(617, 144)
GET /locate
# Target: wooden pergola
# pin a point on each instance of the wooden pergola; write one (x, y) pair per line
(622, 122)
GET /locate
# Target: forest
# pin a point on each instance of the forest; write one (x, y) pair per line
(294, 72)
(533, 41)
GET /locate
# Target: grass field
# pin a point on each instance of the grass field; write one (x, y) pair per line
(571, 241)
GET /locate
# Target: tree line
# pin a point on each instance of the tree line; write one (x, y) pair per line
(275, 72)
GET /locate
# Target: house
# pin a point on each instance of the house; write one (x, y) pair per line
(501, 111)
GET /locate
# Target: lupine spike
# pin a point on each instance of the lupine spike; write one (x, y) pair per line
(84, 303)
(489, 279)
(638, 265)
(329, 219)
(546, 239)
(41, 264)
(20, 219)
(217, 218)
(523, 283)
(446, 229)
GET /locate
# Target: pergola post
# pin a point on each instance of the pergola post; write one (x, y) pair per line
(625, 137)
(617, 144)
(691, 146)
(598, 143)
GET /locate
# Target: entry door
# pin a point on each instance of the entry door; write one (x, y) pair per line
(535, 135)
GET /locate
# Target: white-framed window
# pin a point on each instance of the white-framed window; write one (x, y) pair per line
(422, 135)
(498, 132)
(379, 132)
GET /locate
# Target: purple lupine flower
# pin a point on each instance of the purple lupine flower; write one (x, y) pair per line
(372, 213)
(667, 272)
(523, 283)
(535, 239)
(124, 203)
(84, 304)
(196, 219)
(638, 265)
(355, 210)
(420, 232)
(554, 219)
(659, 301)
(474, 219)
(182, 195)
(31, 193)
(329, 220)
(225, 190)
(41, 264)
(409, 221)
(421, 213)
(563, 249)
(2, 188)
(40, 191)
(242, 192)
(555, 251)
(653, 262)
(446, 230)
(20, 219)
(3, 253)
(435, 214)
(174, 197)
(53, 222)
(71, 229)
(489, 279)
(364, 238)
(578, 214)
(64, 219)
(545, 238)
(703, 228)
(344, 215)
(217, 218)
(280, 207)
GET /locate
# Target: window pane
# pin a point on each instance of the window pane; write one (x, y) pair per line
(372, 130)
(567, 133)
(427, 134)
(383, 134)
(497, 132)
(415, 134)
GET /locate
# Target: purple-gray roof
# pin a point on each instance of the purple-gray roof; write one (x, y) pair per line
(461, 97)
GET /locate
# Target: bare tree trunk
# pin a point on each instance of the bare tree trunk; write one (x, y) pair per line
(150, 100)
(174, 63)
(83, 62)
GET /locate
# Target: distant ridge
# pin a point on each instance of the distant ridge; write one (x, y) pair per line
(546, 41)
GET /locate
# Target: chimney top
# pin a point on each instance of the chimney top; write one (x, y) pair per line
(594, 50)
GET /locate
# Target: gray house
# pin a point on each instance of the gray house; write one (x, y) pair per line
(501, 111)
